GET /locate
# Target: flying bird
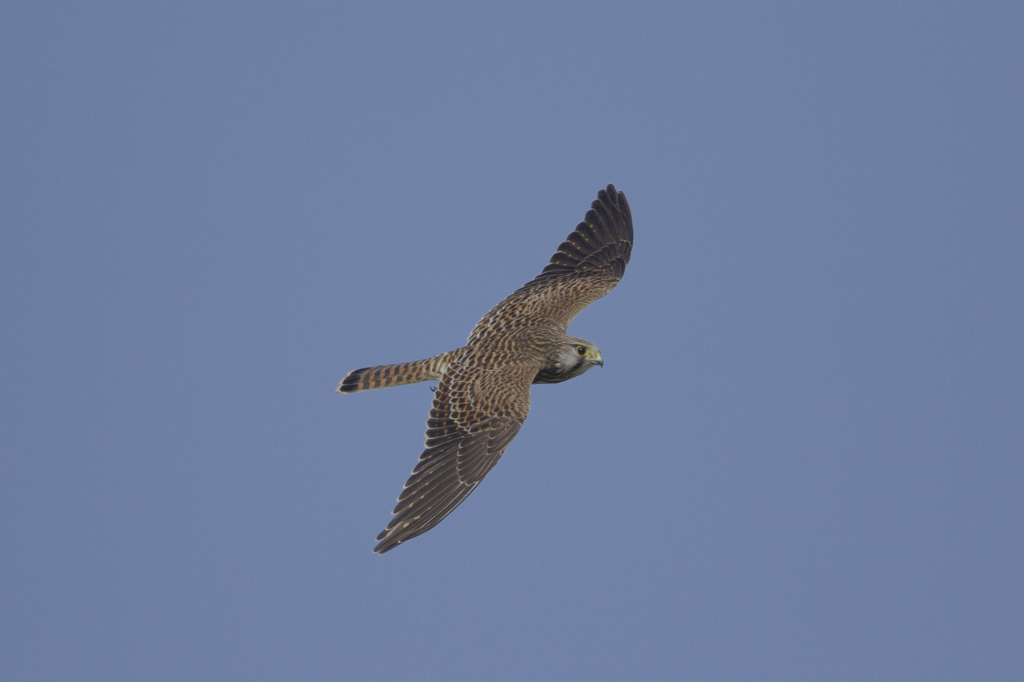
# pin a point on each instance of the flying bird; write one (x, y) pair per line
(483, 391)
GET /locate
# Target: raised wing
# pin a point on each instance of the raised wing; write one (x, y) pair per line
(478, 409)
(603, 241)
(586, 266)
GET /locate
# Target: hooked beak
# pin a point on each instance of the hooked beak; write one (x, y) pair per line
(598, 361)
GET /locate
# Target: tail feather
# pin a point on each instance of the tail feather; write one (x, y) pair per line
(383, 376)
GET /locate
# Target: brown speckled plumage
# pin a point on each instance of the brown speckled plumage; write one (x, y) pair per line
(483, 394)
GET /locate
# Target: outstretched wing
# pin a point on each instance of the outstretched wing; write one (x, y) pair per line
(478, 409)
(587, 265)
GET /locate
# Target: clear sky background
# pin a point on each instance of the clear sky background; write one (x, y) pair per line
(803, 459)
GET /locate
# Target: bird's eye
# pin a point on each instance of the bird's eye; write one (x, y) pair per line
(581, 350)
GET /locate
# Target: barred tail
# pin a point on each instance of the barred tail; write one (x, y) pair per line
(382, 376)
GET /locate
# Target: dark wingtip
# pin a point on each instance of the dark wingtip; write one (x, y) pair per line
(385, 546)
(614, 197)
(616, 200)
(607, 221)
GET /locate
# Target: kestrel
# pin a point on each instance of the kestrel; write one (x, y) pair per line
(483, 391)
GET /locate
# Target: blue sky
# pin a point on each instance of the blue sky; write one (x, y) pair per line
(801, 461)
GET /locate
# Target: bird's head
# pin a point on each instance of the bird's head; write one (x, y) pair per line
(576, 356)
